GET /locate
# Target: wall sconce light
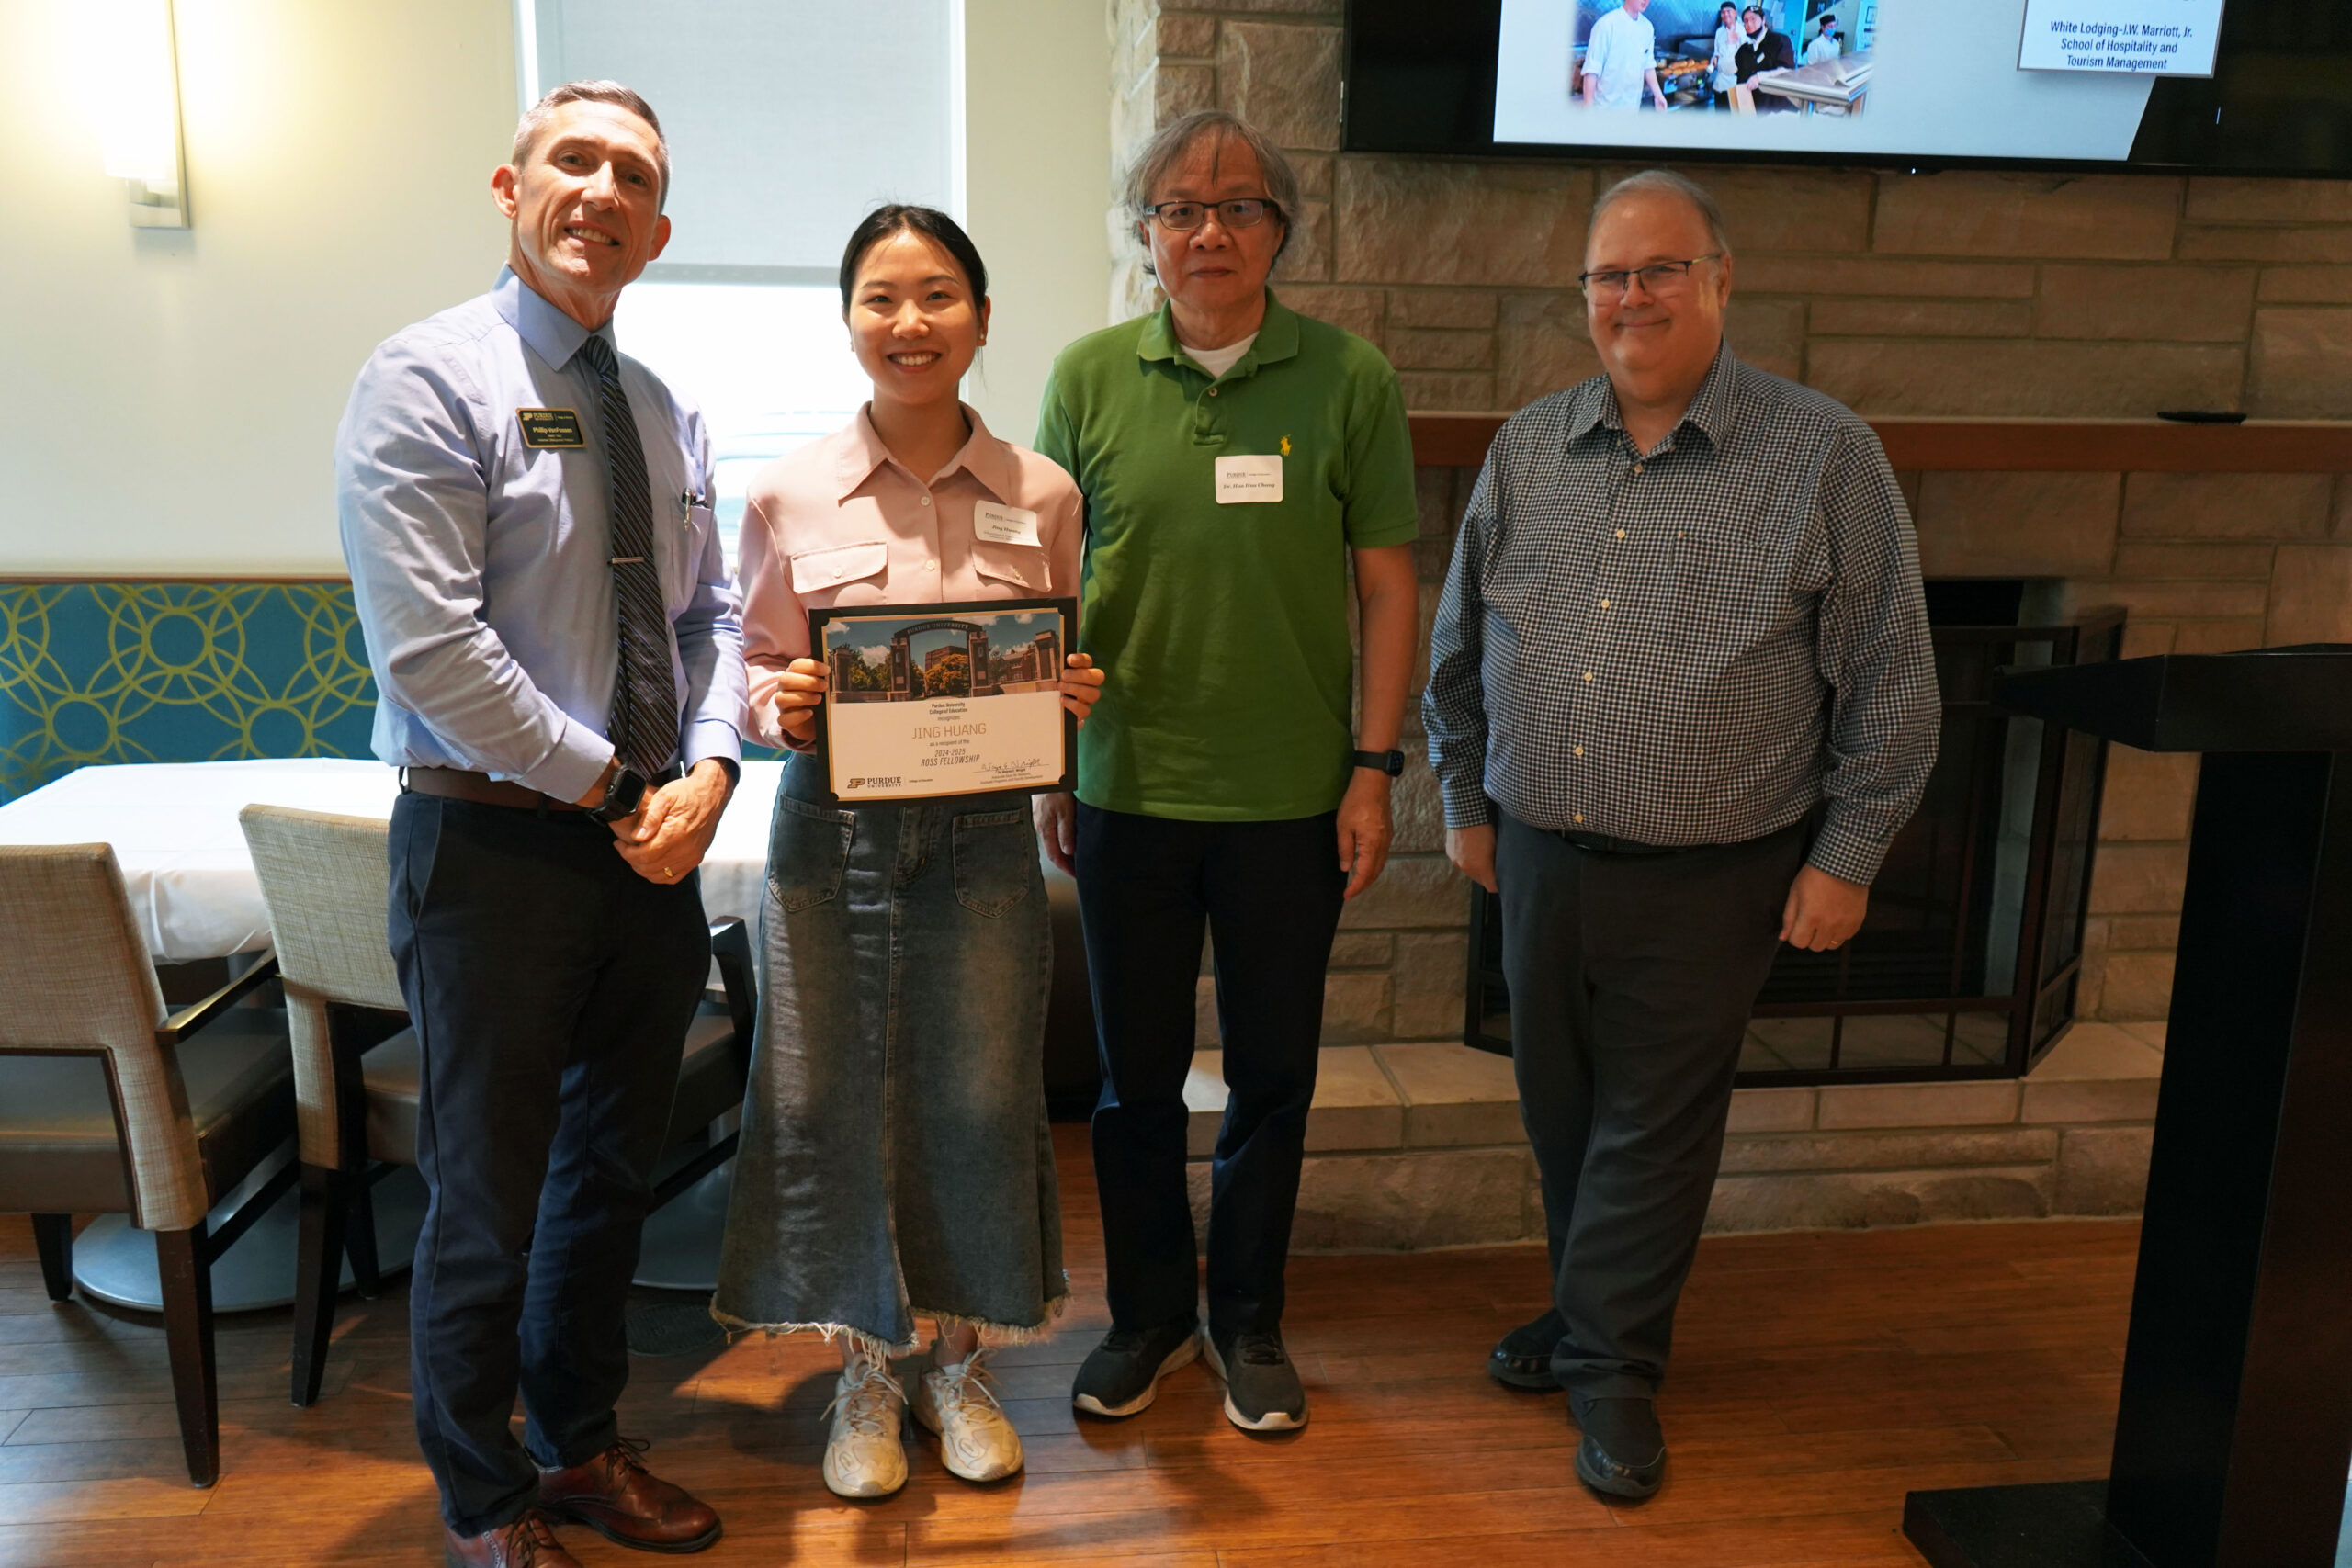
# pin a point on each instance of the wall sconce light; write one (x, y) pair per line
(135, 80)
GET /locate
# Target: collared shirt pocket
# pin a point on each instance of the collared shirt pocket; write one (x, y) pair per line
(834, 566)
(680, 536)
(1024, 566)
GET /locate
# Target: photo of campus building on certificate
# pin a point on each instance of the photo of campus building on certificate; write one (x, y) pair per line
(897, 659)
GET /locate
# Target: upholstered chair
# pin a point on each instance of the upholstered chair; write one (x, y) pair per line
(327, 883)
(111, 1105)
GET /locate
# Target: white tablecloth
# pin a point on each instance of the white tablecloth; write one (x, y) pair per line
(174, 829)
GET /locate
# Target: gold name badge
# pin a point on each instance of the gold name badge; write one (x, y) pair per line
(551, 427)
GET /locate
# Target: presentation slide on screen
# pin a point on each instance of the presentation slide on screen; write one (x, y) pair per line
(2169, 38)
(1998, 79)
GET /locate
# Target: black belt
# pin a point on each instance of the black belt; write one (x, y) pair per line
(458, 784)
(1602, 844)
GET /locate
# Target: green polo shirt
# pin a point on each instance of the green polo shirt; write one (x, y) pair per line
(1223, 627)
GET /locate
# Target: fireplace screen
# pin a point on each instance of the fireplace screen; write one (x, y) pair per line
(1968, 964)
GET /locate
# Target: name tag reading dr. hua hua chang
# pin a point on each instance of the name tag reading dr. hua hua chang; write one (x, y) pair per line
(1243, 479)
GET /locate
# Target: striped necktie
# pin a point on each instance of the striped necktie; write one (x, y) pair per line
(644, 727)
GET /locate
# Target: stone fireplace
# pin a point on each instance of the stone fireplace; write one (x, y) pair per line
(2001, 305)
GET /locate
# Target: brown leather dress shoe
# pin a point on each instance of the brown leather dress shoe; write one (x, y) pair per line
(529, 1542)
(617, 1497)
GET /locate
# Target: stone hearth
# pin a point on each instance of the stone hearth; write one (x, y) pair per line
(1412, 1146)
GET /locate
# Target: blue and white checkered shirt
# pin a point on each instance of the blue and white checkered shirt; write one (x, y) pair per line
(1693, 647)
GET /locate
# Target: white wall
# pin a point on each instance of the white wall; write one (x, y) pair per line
(1038, 153)
(168, 399)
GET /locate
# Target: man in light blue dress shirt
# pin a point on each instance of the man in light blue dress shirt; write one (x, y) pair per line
(539, 576)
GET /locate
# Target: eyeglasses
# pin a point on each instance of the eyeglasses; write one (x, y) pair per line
(1658, 277)
(1184, 216)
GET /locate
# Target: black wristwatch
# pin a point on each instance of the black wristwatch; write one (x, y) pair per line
(1389, 762)
(623, 796)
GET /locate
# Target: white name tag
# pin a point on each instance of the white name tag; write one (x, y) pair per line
(1003, 525)
(1242, 479)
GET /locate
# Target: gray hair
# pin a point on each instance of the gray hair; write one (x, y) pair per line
(1169, 145)
(1666, 182)
(534, 120)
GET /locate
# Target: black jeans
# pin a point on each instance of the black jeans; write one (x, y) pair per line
(1269, 894)
(551, 987)
(1631, 980)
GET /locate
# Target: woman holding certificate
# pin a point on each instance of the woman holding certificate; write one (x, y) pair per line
(895, 1162)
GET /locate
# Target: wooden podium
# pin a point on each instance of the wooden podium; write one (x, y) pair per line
(2235, 1426)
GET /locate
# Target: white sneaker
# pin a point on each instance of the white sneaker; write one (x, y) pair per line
(976, 1439)
(864, 1456)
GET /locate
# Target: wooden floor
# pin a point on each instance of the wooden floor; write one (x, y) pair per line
(1818, 1378)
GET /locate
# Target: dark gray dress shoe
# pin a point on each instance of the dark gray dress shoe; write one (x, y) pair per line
(1522, 1359)
(1624, 1452)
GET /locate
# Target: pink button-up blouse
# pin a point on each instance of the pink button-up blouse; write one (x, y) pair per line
(840, 522)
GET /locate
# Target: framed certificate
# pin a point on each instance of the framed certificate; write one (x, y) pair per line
(930, 700)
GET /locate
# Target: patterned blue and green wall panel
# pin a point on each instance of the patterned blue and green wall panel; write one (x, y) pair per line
(179, 672)
(176, 672)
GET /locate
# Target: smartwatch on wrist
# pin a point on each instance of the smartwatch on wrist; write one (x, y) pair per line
(1389, 762)
(623, 793)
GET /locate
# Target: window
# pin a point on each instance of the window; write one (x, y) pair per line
(787, 120)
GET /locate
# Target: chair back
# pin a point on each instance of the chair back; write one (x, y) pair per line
(326, 883)
(75, 978)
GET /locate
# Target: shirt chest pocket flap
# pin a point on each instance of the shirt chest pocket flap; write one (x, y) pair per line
(813, 571)
(1021, 564)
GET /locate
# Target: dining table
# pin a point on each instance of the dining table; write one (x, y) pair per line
(174, 832)
(195, 895)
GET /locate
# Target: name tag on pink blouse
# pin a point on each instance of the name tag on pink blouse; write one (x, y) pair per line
(1003, 525)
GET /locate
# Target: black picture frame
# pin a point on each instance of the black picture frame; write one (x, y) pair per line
(1064, 609)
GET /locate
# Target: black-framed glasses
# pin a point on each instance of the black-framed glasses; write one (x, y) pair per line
(1241, 212)
(1658, 277)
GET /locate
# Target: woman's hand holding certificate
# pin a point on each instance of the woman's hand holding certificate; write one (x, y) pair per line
(798, 691)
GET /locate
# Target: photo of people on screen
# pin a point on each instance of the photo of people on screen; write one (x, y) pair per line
(1678, 56)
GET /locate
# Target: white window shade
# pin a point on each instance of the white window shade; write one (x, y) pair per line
(788, 120)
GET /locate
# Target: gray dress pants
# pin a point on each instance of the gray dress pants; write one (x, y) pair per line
(1631, 979)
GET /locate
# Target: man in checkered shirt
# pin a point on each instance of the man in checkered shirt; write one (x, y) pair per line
(1681, 699)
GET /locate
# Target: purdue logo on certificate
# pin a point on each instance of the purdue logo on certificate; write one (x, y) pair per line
(923, 701)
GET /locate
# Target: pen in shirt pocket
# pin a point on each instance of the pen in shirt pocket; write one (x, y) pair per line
(687, 501)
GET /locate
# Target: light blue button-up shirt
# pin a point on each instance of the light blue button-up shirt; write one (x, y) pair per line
(483, 566)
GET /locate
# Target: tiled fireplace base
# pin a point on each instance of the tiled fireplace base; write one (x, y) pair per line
(1412, 1147)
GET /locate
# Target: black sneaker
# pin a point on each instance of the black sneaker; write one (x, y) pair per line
(1522, 1359)
(1122, 1375)
(1261, 1388)
(1622, 1453)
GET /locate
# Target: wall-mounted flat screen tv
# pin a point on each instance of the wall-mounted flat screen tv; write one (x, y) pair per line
(2214, 86)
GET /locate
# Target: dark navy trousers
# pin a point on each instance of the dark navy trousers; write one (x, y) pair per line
(1269, 894)
(551, 987)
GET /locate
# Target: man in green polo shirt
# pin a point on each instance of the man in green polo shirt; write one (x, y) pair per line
(1236, 457)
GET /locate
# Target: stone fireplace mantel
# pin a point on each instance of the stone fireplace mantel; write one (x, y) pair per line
(2019, 445)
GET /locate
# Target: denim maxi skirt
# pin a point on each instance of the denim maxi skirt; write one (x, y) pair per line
(896, 1161)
